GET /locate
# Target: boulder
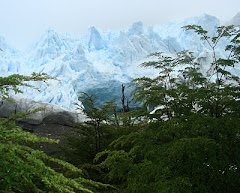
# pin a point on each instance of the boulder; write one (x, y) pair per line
(51, 122)
(49, 112)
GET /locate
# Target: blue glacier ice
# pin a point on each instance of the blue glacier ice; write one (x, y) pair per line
(100, 59)
(95, 41)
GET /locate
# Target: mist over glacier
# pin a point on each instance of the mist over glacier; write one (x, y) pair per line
(99, 61)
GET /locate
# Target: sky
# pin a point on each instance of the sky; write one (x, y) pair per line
(23, 21)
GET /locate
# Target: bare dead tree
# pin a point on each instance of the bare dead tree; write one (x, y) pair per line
(125, 107)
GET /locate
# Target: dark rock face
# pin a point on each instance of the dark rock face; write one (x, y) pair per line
(24, 105)
(7, 108)
(52, 122)
(53, 127)
(61, 118)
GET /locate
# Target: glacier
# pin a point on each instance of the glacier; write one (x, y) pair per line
(99, 60)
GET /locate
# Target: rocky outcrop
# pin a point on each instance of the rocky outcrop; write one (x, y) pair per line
(49, 111)
(52, 122)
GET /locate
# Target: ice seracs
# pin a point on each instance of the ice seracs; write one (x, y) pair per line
(95, 41)
(99, 60)
(235, 20)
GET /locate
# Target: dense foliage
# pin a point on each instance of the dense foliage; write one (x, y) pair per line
(93, 135)
(191, 142)
(103, 125)
(24, 169)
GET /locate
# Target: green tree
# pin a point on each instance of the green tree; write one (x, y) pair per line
(191, 143)
(24, 169)
(102, 126)
(93, 135)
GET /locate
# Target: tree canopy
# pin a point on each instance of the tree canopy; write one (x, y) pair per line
(191, 142)
(24, 168)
